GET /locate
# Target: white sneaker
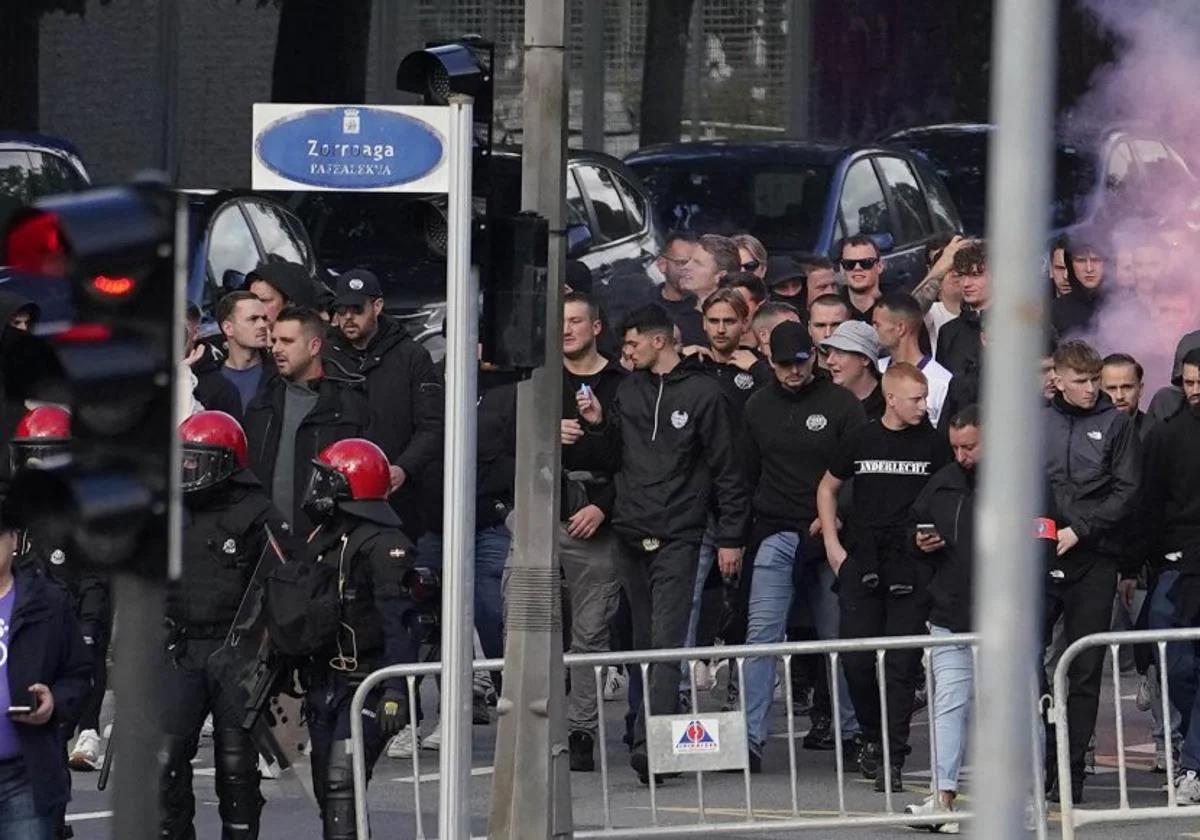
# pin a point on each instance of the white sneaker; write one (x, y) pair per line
(433, 741)
(932, 805)
(86, 754)
(1187, 788)
(401, 745)
(1145, 696)
(206, 730)
(778, 693)
(615, 684)
(268, 769)
(706, 677)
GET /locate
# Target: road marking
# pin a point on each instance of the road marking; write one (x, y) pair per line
(434, 777)
(89, 815)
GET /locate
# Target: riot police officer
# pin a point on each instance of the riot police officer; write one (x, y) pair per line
(42, 436)
(359, 538)
(226, 514)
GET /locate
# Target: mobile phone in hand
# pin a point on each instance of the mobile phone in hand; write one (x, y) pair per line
(927, 530)
(22, 704)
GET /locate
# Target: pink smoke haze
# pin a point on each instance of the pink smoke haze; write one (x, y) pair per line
(1150, 91)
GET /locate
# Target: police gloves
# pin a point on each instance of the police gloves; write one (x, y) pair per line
(392, 712)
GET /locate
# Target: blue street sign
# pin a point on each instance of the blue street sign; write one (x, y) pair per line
(346, 147)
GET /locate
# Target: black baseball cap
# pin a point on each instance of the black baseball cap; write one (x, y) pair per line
(782, 269)
(355, 288)
(791, 342)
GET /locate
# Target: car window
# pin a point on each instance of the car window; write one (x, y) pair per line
(634, 203)
(941, 206)
(1160, 166)
(912, 218)
(230, 244)
(274, 232)
(863, 207)
(1120, 167)
(14, 181)
(598, 184)
(48, 175)
(576, 208)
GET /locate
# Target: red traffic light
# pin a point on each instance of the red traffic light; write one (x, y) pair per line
(35, 245)
(112, 287)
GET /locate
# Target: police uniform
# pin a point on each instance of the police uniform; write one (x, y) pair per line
(361, 538)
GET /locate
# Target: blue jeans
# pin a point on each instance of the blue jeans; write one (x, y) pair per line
(953, 680)
(1183, 673)
(491, 554)
(708, 556)
(771, 590)
(19, 819)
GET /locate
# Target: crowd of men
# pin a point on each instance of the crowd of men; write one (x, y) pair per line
(794, 443)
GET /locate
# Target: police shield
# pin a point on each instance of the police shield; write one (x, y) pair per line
(256, 678)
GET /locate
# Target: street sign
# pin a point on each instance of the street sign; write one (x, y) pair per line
(354, 148)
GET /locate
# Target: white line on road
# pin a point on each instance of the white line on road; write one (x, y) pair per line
(433, 777)
(89, 815)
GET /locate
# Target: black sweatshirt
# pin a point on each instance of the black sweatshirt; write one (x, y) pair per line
(591, 453)
(790, 438)
(1171, 487)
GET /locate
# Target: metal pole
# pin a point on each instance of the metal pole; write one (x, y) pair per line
(699, 57)
(593, 75)
(531, 793)
(799, 67)
(1007, 567)
(458, 518)
(137, 730)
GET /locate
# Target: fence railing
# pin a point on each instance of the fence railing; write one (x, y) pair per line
(1072, 817)
(748, 823)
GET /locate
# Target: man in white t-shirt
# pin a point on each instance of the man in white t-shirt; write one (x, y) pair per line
(898, 319)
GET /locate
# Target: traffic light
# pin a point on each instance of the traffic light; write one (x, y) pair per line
(115, 247)
(513, 330)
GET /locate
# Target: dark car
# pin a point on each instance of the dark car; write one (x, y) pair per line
(229, 233)
(401, 238)
(34, 166)
(1121, 172)
(802, 197)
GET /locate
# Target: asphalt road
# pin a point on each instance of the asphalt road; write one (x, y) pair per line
(289, 814)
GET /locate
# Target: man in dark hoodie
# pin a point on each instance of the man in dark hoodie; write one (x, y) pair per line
(1169, 400)
(281, 284)
(960, 341)
(1093, 463)
(1072, 314)
(1172, 504)
(586, 544)
(404, 388)
(302, 411)
(677, 460)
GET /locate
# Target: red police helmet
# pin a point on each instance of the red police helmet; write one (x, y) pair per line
(214, 448)
(363, 466)
(43, 433)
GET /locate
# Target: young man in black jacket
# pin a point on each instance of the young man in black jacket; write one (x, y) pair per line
(677, 460)
(790, 432)
(1172, 504)
(1093, 463)
(960, 341)
(882, 587)
(404, 389)
(586, 543)
(302, 411)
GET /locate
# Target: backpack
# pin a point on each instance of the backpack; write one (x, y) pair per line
(304, 603)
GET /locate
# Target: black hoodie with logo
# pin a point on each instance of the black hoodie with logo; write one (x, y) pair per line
(678, 458)
(1093, 462)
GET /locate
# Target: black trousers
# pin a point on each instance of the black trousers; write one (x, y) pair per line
(89, 716)
(1084, 602)
(327, 708)
(190, 695)
(876, 611)
(659, 585)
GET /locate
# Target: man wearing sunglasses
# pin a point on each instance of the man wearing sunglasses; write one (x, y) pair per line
(674, 263)
(862, 268)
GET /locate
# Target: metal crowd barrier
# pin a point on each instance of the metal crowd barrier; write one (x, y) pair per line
(748, 823)
(1074, 818)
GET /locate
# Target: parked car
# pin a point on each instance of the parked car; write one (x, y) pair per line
(1120, 173)
(401, 238)
(34, 166)
(802, 197)
(231, 232)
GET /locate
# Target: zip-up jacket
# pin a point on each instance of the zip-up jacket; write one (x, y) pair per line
(960, 343)
(948, 503)
(407, 401)
(1093, 463)
(341, 412)
(1171, 489)
(790, 438)
(677, 459)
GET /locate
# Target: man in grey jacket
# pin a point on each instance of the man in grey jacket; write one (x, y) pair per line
(1093, 463)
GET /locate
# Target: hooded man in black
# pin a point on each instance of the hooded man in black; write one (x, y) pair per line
(678, 460)
(1093, 463)
(1073, 314)
(960, 341)
(404, 389)
(279, 284)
